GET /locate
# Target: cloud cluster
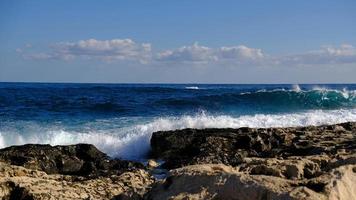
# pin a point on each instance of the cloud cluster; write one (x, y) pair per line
(106, 50)
(194, 53)
(128, 50)
(344, 54)
(203, 54)
(241, 53)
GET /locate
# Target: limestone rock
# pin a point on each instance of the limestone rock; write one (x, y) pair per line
(314, 162)
(80, 159)
(217, 181)
(21, 183)
(230, 146)
(152, 164)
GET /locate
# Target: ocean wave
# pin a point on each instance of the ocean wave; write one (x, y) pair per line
(280, 99)
(157, 100)
(295, 98)
(132, 141)
(192, 88)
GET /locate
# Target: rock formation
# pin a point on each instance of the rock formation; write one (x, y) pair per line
(218, 181)
(81, 159)
(18, 183)
(314, 162)
(230, 146)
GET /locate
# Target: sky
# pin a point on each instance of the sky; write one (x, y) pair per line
(185, 41)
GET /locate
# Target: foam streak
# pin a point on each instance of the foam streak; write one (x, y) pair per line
(132, 142)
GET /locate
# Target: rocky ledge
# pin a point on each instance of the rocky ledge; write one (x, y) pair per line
(19, 183)
(314, 162)
(68, 172)
(231, 146)
(81, 160)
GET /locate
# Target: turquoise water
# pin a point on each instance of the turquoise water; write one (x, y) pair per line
(119, 118)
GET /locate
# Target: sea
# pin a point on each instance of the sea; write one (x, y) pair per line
(119, 119)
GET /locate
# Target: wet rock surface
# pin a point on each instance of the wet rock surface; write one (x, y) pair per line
(230, 146)
(80, 159)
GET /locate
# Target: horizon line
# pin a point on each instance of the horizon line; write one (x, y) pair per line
(165, 83)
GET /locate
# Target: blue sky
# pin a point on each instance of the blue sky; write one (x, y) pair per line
(178, 41)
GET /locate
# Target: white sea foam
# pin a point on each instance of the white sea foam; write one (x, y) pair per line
(192, 88)
(296, 88)
(132, 142)
(347, 94)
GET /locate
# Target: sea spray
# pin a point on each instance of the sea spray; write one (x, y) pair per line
(132, 142)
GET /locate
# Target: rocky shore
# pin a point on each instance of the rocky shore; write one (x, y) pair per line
(314, 162)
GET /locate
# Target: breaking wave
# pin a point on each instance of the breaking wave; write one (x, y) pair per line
(132, 141)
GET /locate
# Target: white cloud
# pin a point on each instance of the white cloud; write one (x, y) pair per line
(345, 54)
(241, 55)
(106, 50)
(194, 53)
(343, 50)
(241, 52)
(203, 54)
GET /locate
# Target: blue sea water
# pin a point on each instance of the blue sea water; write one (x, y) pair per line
(120, 118)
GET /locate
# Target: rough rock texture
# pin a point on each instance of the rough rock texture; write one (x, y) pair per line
(315, 162)
(217, 181)
(81, 159)
(230, 146)
(245, 164)
(19, 183)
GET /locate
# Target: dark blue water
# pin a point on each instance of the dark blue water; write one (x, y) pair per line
(91, 101)
(119, 118)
